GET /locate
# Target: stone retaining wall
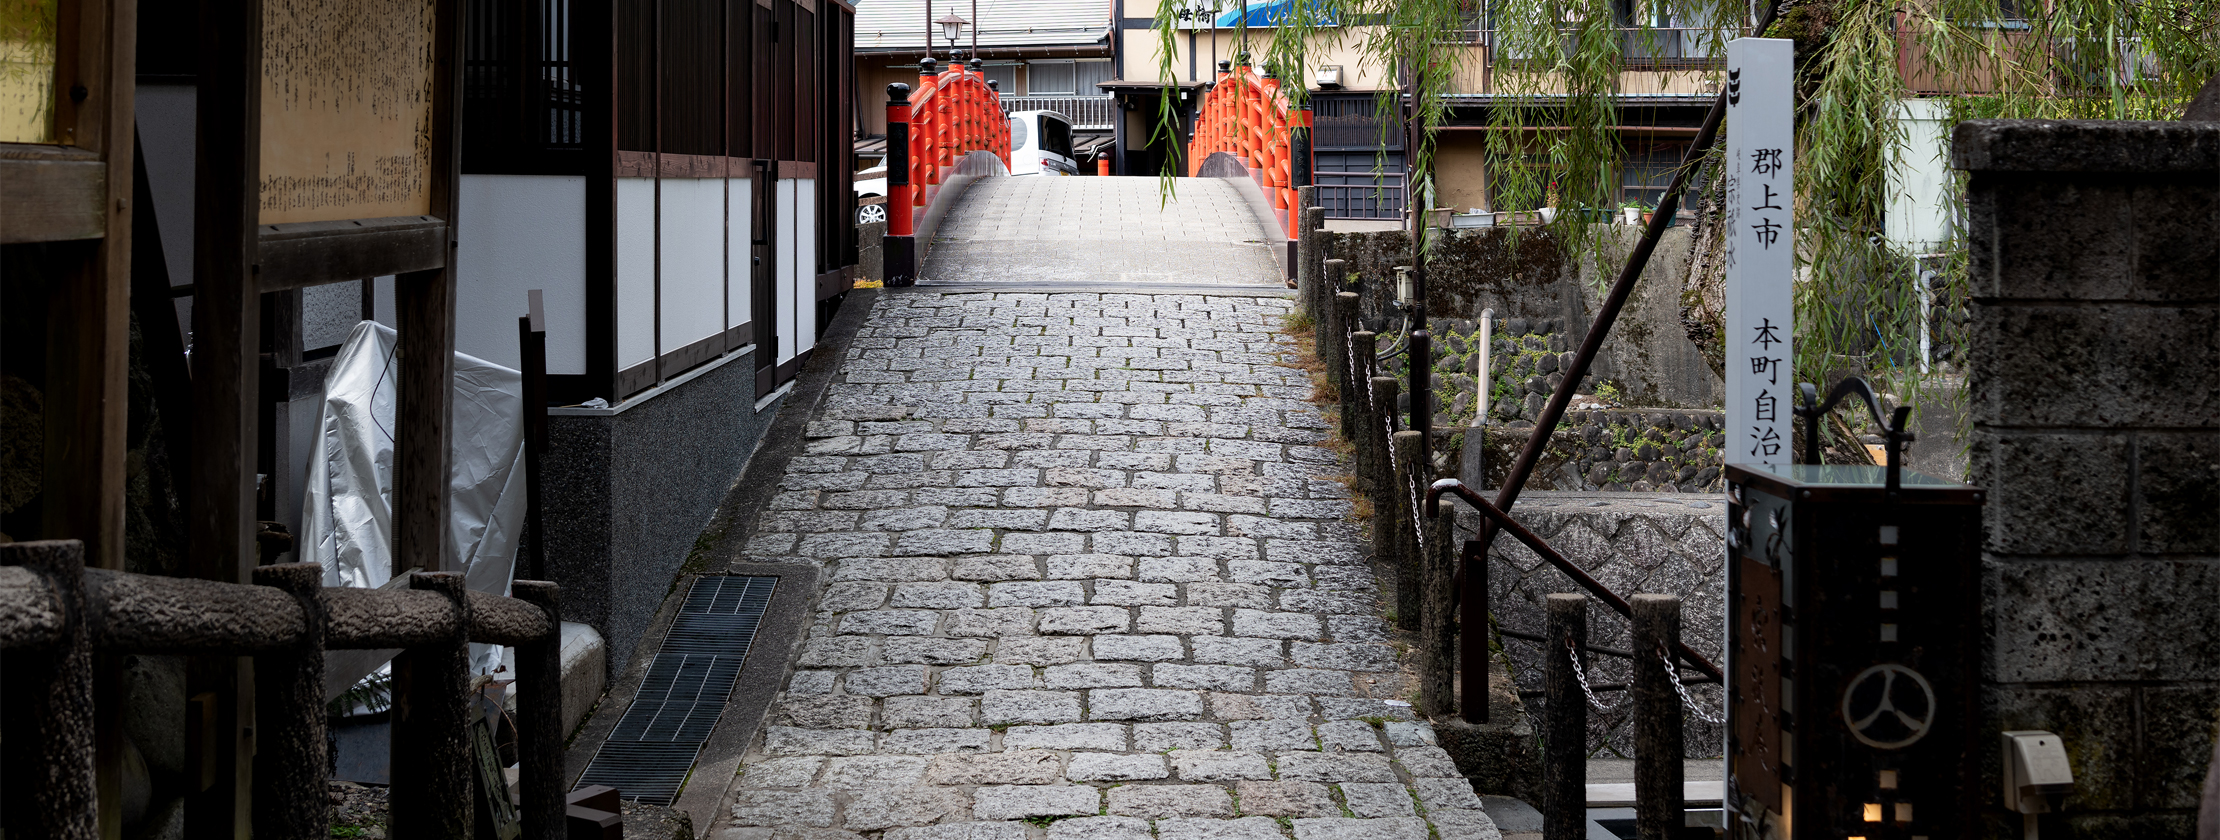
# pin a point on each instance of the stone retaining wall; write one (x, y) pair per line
(1631, 543)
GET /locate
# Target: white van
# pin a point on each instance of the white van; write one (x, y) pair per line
(1040, 144)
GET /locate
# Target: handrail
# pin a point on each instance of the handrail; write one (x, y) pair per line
(1246, 114)
(952, 114)
(1541, 547)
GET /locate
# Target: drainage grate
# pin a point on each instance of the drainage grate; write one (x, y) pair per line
(654, 745)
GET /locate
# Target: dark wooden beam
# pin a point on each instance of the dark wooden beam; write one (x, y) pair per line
(227, 315)
(52, 200)
(305, 254)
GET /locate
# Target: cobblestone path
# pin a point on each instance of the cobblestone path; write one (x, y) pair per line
(1087, 579)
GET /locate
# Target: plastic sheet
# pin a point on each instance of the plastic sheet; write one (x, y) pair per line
(348, 512)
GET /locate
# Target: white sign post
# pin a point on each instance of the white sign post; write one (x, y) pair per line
(1761, 245)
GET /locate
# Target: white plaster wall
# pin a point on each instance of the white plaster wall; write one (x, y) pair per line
(783, 240)
(693, 290)
(739, 219)
(635, 271)
(518, 233)
(801, 257)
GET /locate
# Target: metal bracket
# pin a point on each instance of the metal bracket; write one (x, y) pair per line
(1892, 428)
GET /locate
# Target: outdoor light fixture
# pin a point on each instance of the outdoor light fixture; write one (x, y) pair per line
(951, 27)
(1329, 76)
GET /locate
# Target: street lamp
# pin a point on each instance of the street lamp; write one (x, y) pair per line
(951, 27)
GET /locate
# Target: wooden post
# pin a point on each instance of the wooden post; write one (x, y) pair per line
(532, 342)
(227, 318)
(1565, 741)
(1659, 809)
(431, 758)
(1409, 564)
(539, 717)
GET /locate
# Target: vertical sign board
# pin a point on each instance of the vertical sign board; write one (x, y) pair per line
(1760, 349)
(1761, 153)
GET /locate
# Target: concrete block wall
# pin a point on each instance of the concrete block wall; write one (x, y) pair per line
(2095, 374)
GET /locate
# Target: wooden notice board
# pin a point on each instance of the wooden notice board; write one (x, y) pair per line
(347, 119)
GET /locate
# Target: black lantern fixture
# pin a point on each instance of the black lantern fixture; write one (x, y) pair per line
(951, 28)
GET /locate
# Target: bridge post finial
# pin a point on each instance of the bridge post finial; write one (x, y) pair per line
(928, 67)
(978, 66)
(1225, 67)
(898, 93)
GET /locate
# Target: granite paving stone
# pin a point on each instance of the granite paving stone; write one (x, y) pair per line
(1087, 565)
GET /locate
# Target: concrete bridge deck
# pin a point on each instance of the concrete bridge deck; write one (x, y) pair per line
(1032, 231)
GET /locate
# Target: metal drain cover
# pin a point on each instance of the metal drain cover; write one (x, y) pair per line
(654, 745)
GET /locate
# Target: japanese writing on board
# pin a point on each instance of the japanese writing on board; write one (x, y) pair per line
(1761, 244)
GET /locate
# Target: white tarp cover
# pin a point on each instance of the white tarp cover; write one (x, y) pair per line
(347, 516)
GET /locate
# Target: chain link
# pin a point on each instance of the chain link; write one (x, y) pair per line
(1573, 654)
(1672, 674)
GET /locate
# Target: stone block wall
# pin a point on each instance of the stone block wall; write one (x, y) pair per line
(2095, 377)
(1632, 543)
(1537, 288)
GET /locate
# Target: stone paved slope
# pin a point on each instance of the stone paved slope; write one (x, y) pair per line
(1030, 230)
(1087, 581)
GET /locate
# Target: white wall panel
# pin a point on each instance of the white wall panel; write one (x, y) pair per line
(635, 271)
(518, 233)
(693, 289)
(804, 260)
(783, 240)
(739, 218)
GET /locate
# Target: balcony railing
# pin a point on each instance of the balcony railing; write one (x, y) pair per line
(1087, 113)
(1641, 47)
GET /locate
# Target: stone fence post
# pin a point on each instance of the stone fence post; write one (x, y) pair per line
(2095, 376)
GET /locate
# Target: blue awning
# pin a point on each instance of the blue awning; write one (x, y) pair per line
(1260, 13)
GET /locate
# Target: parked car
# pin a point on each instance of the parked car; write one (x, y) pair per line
(871, 183)
(1040, 144)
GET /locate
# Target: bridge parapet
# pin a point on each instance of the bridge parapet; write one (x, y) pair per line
(943, 132)
(1246, 114)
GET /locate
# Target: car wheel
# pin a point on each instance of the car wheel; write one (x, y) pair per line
(870, 213)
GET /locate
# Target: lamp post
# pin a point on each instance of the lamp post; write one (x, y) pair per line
(951, 28)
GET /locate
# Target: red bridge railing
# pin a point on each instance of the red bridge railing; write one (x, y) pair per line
(947, 117)
(1246, 115)
(952, 114)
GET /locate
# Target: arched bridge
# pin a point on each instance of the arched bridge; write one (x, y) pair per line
(965, 221)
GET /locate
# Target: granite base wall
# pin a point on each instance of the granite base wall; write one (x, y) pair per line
(1632, 543)
(628, 494)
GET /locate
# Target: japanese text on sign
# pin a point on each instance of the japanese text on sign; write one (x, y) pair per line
(1761, 184)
